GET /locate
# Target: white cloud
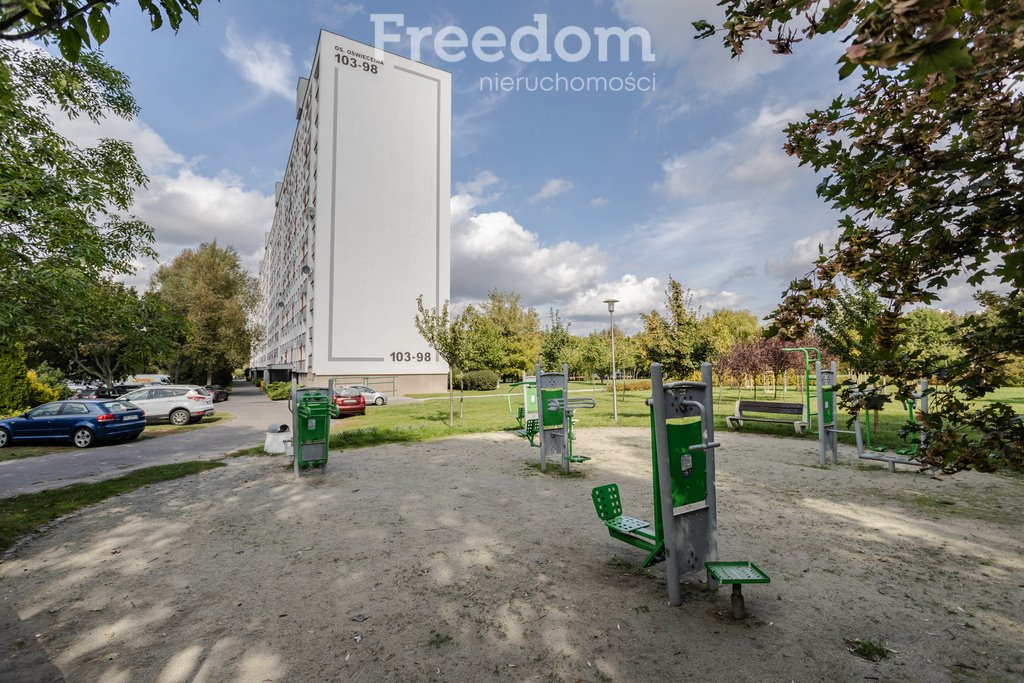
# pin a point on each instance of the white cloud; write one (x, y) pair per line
(493, 251)
(704, 65)
(553, 188)
(477, 185)
(265, 63)
(184, 207)
(799, 261)
(598, 203)
(331, 13)
(747, 161)
(152, 152)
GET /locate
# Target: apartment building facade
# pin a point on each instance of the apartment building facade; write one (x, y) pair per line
(361, 226)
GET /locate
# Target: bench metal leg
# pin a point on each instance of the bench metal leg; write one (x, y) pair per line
(738, 610)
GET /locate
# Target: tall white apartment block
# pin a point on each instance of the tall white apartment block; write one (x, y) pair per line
(362, 223)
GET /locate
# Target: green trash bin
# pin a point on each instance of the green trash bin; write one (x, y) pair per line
(312, 430)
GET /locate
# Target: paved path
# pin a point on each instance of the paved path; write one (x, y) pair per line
(253, 411)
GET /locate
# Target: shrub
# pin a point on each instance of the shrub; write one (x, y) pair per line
(278, 391)
(479, 380)
(631, 385)
(40, 393)
(15, 389)
(53, 378)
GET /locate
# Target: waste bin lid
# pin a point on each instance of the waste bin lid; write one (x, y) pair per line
(277, 429)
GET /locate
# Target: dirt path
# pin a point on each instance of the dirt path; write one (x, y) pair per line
(454, 561)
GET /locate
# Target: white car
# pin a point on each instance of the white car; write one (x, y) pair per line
(372, 396)
(177, 403)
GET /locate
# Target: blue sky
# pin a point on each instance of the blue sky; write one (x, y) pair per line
(568, 198)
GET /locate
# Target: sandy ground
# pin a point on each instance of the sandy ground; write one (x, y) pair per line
(454, 561)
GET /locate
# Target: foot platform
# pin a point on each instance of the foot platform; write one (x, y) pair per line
(737, 574)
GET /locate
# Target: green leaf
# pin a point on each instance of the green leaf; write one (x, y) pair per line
(70, 43)
(99, 26)
(78, 23)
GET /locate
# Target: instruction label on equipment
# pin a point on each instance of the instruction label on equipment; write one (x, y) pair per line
(686, 464)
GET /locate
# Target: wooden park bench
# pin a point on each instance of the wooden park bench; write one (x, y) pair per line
(768, 407)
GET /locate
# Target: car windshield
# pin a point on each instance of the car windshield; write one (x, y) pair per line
(346, 391)
(135, 395)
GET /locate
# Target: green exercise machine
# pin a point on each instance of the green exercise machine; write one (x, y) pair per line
(311, 427)
(903, 455)
(556, 417)
(684, 533)
(808, 352)
(526, 414)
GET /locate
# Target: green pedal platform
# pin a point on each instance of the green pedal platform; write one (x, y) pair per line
(737, 572)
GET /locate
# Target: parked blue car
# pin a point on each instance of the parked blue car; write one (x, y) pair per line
(82, 422)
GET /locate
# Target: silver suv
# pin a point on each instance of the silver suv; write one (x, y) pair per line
(178, 403)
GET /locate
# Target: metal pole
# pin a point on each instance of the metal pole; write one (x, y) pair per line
(833, 434)
(711, 500)
(668, 522)
(821, 415)
(615, 397)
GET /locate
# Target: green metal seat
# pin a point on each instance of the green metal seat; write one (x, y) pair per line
(634, 531)
(520, 414)
(530, 431)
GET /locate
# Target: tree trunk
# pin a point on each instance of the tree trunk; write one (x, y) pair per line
(451, 398)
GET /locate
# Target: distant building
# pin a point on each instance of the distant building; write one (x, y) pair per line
(362, 223)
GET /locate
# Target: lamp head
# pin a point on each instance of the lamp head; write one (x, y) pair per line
(611, 304)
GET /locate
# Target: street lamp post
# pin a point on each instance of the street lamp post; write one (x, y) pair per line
(611, 319)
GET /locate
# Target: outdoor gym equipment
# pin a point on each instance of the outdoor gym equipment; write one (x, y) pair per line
(905, 453)
(526, 414)
(807, 351)
(555, 424)
(828, 427)
(683, 468)
(311, 426)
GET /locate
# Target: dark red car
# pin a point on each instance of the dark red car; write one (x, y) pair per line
(347, 401)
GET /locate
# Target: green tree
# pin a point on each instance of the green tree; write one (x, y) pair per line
(447, 336)
(74, 24)
(112, 332)
(930, 334)
(483, 342)
(679, 342)
(557, 344)
(518, 328)
(63, 209)
(210, 289)
(593, 354)
(849, 327)
(923, 159)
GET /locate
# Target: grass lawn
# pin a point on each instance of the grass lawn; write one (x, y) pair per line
(18, 451)
(503, 390)
(24, 514)
(429, 419)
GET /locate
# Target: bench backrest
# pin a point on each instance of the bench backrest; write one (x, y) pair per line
(770, 407)
(607, 501)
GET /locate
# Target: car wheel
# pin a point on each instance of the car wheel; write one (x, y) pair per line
(5, 438)
(180, 417)
(82, 437)
(379, 401)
